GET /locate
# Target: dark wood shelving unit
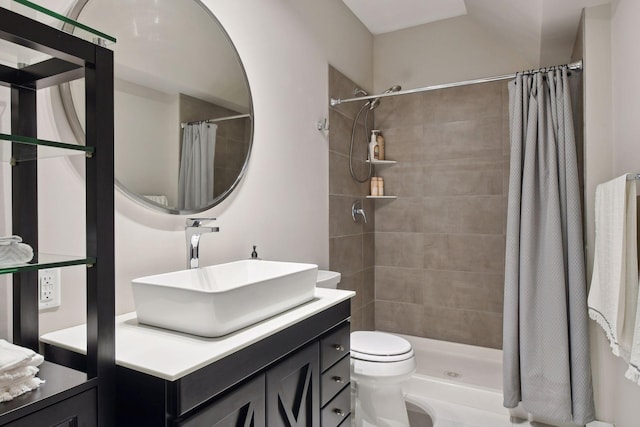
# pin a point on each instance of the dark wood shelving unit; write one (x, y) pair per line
(68, 397)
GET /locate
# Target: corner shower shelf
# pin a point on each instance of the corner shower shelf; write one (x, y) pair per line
(23, 149)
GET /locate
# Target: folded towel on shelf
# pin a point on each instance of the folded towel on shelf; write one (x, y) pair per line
(9, 392)
(18, 369)
(13, 357)
(16, 375)
(613, 297)
(14, 252)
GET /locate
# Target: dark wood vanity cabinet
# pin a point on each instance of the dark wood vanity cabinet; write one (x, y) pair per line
(335, 378)
(296, 377)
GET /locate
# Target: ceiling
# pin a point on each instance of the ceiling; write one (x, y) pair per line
(542, 31)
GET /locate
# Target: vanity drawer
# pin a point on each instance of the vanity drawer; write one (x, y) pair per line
(338, 410)
(334, 379)
(334, 346)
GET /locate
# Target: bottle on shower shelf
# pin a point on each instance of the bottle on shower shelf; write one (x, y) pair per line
(373, 146)
(374, 186)
(380, 141)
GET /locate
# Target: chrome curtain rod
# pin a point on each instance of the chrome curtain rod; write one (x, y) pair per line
(632, 176)
(219, 119)
(573, 66)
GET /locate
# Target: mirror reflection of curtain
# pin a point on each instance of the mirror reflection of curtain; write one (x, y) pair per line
(195, 182)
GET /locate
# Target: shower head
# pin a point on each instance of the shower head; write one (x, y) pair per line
(360, 92)
(376, 101)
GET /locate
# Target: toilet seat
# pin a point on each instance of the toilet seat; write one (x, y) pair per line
(379, 347)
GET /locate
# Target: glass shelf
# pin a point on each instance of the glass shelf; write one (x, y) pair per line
(56, 20)
(45, 149)
(382, 197)
(17, 56)
(43, 260)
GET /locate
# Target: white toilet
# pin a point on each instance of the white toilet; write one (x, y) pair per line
(380, 364)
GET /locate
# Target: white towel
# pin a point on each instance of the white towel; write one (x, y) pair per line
(613, 297)
(10, 239)
(17, 370)
(14, 390)
(13, 253)
(633, 372)
(14, 357)
(17, 375)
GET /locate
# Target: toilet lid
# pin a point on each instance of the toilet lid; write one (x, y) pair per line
(379, 346)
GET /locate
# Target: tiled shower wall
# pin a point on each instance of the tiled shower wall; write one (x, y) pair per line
(439, 254)
(351, 245)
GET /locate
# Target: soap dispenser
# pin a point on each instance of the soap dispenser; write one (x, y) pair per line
(254, 254)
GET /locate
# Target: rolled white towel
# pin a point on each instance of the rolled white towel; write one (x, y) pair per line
(15, 254)
(14, 357)
(10, 239)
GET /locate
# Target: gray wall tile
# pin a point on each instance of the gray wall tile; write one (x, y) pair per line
(429, 263)
(400, 250)
(351, 245)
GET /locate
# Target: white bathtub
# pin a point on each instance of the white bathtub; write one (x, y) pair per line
(458, 385)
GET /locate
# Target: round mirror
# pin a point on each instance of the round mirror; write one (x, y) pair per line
(183, 111)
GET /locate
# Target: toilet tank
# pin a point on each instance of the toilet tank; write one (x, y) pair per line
(328, 279)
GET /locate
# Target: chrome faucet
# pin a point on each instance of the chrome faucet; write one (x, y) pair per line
(194, 230)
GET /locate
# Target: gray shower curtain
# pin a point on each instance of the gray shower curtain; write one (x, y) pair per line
(546, 342)
(195, 180)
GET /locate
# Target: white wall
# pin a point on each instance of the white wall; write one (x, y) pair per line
(281, 205)
(612, 142)
(147, 128)
(446, 51)
(346, 42)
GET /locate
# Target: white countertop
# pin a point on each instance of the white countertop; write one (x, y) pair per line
(172, 355)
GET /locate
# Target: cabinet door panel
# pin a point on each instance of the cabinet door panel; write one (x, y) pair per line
(77, 411)
(293, 390)
(242, 407)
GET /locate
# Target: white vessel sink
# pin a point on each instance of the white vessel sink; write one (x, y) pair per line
(219, 299)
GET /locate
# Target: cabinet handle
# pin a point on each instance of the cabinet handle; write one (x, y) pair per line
(338, 347)
(338, 379)
(339, 412)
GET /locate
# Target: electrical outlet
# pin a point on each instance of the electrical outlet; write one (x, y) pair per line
(49, 288)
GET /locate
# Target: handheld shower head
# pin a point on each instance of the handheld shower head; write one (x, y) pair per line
(376, 101)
